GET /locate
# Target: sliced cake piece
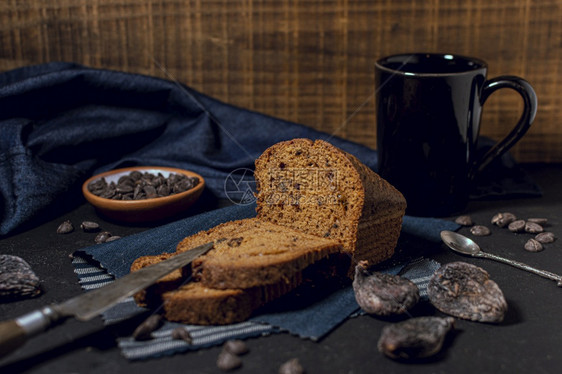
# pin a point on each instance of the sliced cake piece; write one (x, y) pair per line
(251, 252)
(319, 189)
(181, 300)
(194, 303)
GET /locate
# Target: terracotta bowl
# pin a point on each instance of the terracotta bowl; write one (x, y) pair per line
(146, 210)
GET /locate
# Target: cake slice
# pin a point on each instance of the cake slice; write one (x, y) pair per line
(319, 189)
(181, 299)
(194, 303)
(251, 252)
(252, 263)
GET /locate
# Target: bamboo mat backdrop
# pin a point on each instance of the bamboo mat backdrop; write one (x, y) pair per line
(308, 61)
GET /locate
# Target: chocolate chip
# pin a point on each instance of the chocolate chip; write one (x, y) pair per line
(293, 366)
(533, 245)
(540, 221)
(237, 347)
(137, 193)
(228, 361)
(533, 228)
(464, 220)
(235, 242)
(180, 333)
(545, 237)
(124, 188)
(135, 175)
(65, 227)
(102, 237)
(183, 185)
(479, 230)
(503, 219)
(517, 226)
(163, 190)
(150, 192)
(145, 329)
(90, 226)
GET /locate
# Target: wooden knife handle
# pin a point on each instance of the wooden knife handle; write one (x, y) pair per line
(12, 336)
(14, 333)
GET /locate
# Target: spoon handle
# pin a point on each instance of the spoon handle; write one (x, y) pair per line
(520, 265)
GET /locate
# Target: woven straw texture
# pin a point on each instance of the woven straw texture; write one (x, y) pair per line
(307, 61)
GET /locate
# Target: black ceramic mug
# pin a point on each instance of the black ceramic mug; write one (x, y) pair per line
(428, 120)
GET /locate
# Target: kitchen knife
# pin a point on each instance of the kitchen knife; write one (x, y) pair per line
(14, 333)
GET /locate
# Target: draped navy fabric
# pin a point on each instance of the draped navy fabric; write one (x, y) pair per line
(60, 123)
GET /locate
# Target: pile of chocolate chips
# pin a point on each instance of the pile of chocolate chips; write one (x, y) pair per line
(140, 186)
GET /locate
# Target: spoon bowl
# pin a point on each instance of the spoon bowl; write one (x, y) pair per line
(461, 244)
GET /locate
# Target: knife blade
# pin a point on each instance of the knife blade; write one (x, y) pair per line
(14, 333)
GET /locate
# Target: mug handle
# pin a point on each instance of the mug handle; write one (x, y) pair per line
(529, 112)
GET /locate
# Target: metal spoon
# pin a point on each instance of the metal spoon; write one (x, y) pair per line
(467, 246)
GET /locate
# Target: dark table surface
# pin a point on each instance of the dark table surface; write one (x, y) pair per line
(528, 340)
